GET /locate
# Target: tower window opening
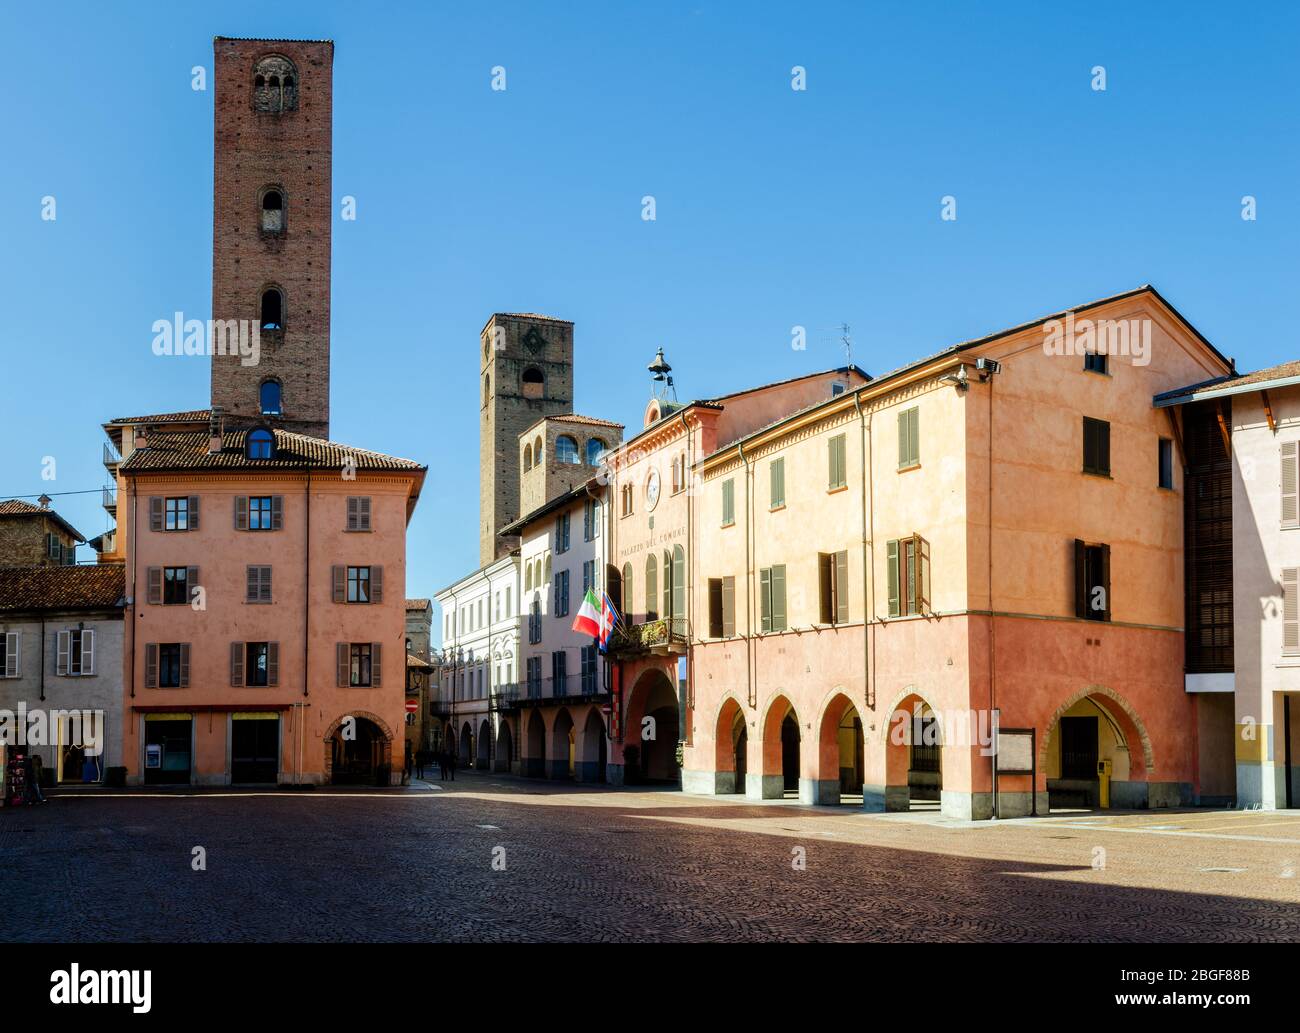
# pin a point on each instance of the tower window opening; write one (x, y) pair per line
(272, 310)
(275, 85)
(534, 382)
(566, 449)
(270, 398)
(272, 212)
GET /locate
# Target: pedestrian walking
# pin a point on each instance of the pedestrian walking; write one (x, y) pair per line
(34, 767)
(421, 755)
(451, 765)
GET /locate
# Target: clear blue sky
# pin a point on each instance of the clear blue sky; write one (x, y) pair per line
(775, 207)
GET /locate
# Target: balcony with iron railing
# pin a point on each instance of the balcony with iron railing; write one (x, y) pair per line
(664, 636)
(111, 458)
(571, 688)
(504, 697)
(110, 499)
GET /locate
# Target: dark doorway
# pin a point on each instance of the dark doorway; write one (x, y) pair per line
(790, 754)
(742, 751)
(167, 751)
(359, 761)
(254, 750)
(1079, 747)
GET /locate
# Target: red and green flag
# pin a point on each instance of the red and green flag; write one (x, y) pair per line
(588, 621)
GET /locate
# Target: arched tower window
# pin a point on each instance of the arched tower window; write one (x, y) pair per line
(537, 451)
(275, 85)
(651, 588)
(566, 449)
(269, 397)
(528, 457)
(487, 388)
(533, 383)
(273, 211)
(272, 310)
(596, 450)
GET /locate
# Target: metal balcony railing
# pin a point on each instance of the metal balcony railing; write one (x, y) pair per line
(665, 635)
(110, 499)
(111, 458)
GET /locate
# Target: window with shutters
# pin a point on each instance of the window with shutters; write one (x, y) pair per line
(908, 566)
(1291, 611)
(1096, 447)
(626, 497)
(176, 585)
(1290, 484)
(562, 594)
(833, 582)
(651, 588)
(257, 664)
(589, 683)
(772, 596)
(258, 588)
(590, 520)
(837, 463)
(358, 585)
(176, 514)
(776, 483)
(562, 533)
(358, 513)
(1095, 362)
(559, 673)
(909, 438)
(360, 657)
(262, 511)
(75, 652)
(169, 665)
(535, 619)
(728, 502)
(1091, 581)
(10, 647)
(722, 607)
(1165, 463)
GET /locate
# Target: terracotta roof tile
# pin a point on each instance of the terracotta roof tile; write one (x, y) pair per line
(62, 588)
(188, 416)
(17, 507)
(418, 604)
(189, 451)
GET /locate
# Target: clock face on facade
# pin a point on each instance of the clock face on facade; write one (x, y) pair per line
(652, 490)
(534, 341)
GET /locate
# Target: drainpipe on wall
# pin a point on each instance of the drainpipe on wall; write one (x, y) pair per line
(993, 693)
(42, 659)
(306, 610)
(688, 573)
(749, 591)
(867, 599)
(132, 537)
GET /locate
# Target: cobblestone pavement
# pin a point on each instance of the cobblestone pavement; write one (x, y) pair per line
(621, 865)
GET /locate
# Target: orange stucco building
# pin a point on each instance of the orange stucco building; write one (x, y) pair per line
(877, 578)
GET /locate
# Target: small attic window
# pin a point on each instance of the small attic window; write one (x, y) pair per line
(261, 444)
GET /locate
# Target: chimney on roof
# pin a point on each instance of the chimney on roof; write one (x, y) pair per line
(215, 429)
(141, 438)
(44, 501)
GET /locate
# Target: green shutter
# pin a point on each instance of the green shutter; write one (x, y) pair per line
(765, 595)
(778, 598)
(728, 502)
(836, 456)
(842, 587)
(892, 554)
(909, 437)
(777, 477)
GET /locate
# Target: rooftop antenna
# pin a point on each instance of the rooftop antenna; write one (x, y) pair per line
(848, 344)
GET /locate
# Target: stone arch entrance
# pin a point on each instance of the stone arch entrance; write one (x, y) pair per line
(731, 748)
(505, 748)
(358, 750)
(781, 751)
(535, 757)
(564, 747)
(913, 755)
(1096, 753)
(595, 749)
(841, 754)
(655, 741)
(484, 758)
(466, 753)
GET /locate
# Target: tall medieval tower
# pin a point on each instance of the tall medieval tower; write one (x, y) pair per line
(526, 372)
(271, 228)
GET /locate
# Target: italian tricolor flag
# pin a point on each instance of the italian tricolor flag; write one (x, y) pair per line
(588, 620)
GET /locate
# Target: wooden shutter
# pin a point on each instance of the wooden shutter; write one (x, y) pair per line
(891, 563)
(922, 575)
(1290, 485)
(728, 607)
(831, 464)
(236, 663)
(151, 665)
(715, 607)
(375, 673)
(185, 665)
(251, 584)
(904, 438)
(1291, 611)
(273, 663)
(241, 512)
(342, 663)
(765, 596)
(155, 513)
(339, 577)
(277, 512)
(825, 588)
(1080, 579)
(1105, 581)
(778, 598)
(192, 516)
(363, 513)
(842, 587)
(376, 584)
(63, 652)
(13, 643)
(87, 653)
(191, 582)
(729, 502)
(776, 482)
(354, 508)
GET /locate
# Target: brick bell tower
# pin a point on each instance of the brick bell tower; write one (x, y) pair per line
(271, 228)
(526, 372)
